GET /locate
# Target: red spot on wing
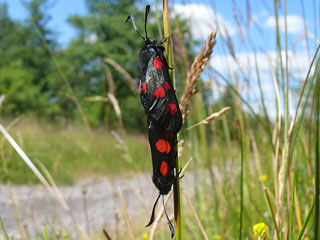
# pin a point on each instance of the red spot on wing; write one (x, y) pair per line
(163, 146)
(164, 168)
(144, 88)
(172, 108)
(140, 86)
(159, 92)
(157, 63)
(167, 85)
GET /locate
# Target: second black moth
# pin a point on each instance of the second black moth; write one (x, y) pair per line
(164, 117)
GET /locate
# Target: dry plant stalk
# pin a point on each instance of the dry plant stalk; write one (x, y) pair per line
(197, 67)
(113, 99)
(195, 214)
(106, 234)
(125, 213)
(132, 84)
(180, 148)
(52, 189)
(2, 97)
(96, 99)
(122, 145)
(211, 117)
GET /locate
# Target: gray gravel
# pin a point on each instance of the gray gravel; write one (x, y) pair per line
(38, 208)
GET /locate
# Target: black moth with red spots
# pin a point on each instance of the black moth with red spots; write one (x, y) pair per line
(161, 106)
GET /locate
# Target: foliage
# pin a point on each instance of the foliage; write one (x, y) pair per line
(101, 33)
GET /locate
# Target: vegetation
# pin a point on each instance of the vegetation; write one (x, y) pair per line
(256, 176)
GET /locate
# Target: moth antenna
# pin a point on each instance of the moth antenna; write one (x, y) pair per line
(145, 20)
(153, 209)
(134, 25)
(169, 223)
(164, 39)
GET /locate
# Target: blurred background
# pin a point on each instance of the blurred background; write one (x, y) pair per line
(69, 97)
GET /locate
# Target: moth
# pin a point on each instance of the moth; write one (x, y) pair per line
(164, 117)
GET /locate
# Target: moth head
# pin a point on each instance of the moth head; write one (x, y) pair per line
(149, 42)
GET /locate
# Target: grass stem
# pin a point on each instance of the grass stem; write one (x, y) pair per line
(272, 213)
(177, 199)
(306, 221)
(3, 230)
(316, 164)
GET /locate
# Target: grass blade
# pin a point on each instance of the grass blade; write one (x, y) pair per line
(272, 213)
(316, 164)
(306, 221)
(292, 203)
(45, 234)
(4, 230)
(177, 198)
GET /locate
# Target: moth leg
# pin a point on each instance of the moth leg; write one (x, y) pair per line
(179, 173)
(166, 64)
(175, 173)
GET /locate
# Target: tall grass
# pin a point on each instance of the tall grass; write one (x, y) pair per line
(248, 167)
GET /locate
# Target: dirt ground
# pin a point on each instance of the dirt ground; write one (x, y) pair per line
(37, 208)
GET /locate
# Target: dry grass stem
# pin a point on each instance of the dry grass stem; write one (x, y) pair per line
(71, 93)
(132, 84)
(115, 105)
(26, 159)
(195, 215)
(211, 118)
(54, 191)
(106, 234)
(2, 98)
(86, 123)
(96, 99)
(110, 81)
(180, 148)
(122, 145)
(293, 122)
(125, 213)
(161, 211)
(113, 100)
(276, 140)
(197, 67)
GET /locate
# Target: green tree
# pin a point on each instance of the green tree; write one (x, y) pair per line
(24, 62)
(104, 33)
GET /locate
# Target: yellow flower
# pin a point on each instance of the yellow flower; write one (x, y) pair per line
(217, 237)
(145, 236)
(263, 177)
(260, 230)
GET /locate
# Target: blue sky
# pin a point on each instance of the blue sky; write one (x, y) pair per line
(62, 9)
(259, 42)
(59, 10)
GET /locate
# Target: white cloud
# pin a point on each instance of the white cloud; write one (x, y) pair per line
(298, 63)
(294, 23)
(246, 63)
(204, 19)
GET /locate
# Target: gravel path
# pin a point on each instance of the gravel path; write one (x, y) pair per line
(37, 207)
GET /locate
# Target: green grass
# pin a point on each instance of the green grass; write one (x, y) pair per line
(69, 154)
(243, 164)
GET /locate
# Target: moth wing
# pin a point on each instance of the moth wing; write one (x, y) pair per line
(164, 153)
(161, 101)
